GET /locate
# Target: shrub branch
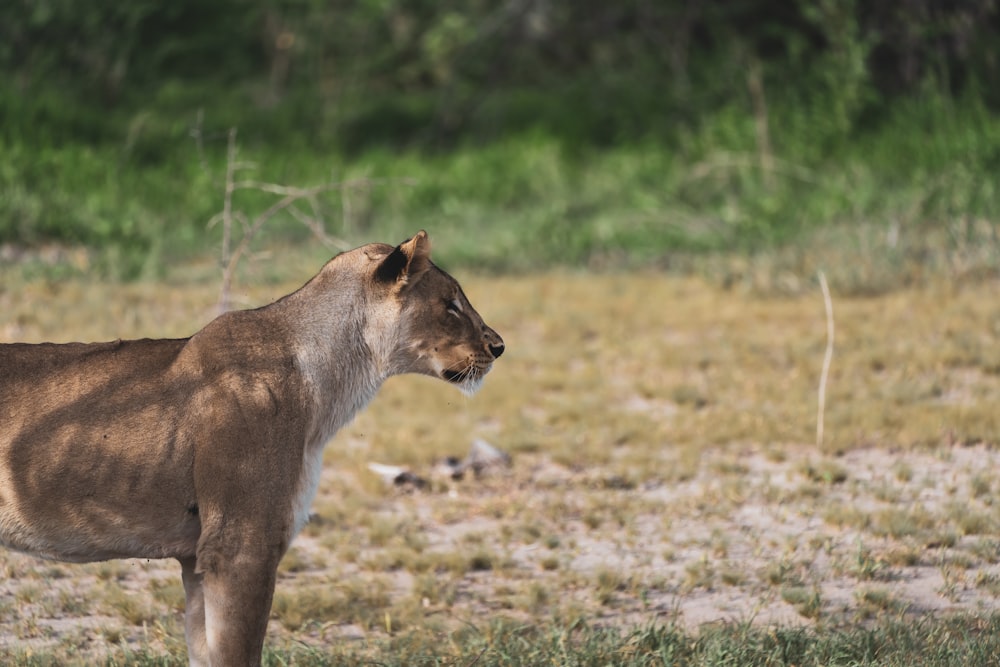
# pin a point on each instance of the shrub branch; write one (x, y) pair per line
(290, 197)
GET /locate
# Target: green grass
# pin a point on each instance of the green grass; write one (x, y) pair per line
(958, 641)
(880, 206)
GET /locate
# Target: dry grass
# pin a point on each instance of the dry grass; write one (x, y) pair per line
(661, 433)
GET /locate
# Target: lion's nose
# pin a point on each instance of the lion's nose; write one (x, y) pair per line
(496, 350)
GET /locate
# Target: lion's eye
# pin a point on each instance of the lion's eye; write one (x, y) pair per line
(454, 307)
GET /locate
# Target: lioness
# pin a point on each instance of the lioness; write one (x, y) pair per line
(208, 449)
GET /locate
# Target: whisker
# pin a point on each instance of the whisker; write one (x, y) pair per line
(467, 374)
(457, 364)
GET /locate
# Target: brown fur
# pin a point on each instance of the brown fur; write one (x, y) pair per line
(208, 449)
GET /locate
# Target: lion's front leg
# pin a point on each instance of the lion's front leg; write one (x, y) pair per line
(237, 594)
(194, 614)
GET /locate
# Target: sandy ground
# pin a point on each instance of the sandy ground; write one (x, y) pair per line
(754, 531)
(783, 537)
(761, 528)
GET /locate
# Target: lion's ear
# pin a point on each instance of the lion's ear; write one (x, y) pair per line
(407, 261)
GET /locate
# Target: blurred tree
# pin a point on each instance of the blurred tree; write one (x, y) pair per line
(620, 61)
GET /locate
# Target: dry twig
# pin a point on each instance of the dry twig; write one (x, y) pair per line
(827, 358)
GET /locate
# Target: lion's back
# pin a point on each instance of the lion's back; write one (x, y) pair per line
(48, 384)
(25, 366)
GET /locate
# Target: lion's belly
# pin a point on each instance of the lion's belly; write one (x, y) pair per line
(94, 527)
(90, 533)
(75, 542)
(91, 491)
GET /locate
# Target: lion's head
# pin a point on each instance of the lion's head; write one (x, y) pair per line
(438, 332)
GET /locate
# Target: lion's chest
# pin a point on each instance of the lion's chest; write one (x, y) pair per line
(312, 469)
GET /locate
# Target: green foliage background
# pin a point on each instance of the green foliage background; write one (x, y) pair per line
(522, 133)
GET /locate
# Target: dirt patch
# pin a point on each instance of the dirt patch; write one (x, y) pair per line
(784, 537)
(778, 536)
